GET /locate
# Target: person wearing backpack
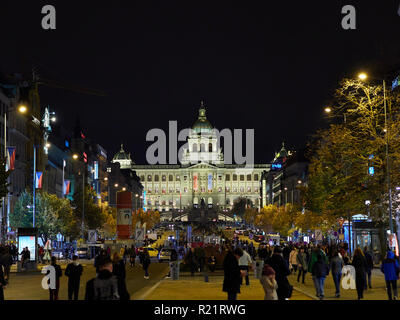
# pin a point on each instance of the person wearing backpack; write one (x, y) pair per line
(390, 268)
(105, 285)
(320, 270)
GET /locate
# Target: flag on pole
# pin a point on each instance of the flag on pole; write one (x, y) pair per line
(67, 187)
(10, 158)
(39, 178)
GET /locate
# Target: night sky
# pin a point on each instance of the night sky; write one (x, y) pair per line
(267, 65)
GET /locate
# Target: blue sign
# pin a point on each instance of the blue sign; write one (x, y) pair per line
(395, 83)
(371, 171)
(276, 166)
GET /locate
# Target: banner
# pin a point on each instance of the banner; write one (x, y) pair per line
(39, 178)
(67, 187)
(10, 158)
(96, 170)
(195, 184)
(210, 182)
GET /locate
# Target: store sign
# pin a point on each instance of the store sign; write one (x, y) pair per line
(96, 170)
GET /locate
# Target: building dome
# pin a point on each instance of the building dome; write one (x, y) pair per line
(123, 158)
(122, 155)
(202, 124)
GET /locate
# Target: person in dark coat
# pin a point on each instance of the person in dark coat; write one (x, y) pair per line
(281, 268)
(74, 271)
(190, 259)
(146, 263)
(360, 264)
(54, 292)
(3, 283)
(120, 272)
(390, 267)
(232, 273)
(132, 256)
(212, 262)
(6, 260)
(101, 256)
(105, 286)
(370, 267)
(320, 271)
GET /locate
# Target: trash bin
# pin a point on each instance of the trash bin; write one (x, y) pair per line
(174, 266)
(258, 268)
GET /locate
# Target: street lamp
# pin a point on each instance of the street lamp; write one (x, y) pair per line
(363, 76)
(76, 157)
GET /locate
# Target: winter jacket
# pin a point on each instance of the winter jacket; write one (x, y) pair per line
(293, 257)
(337, 265)
(313, 259)
(302, 260)
(119, 269)
(105, 287)
(245, 259)
(360, 264)
(390, 267)
(270, 288)
(232, 275)
(370, 261)
(281, 269)
(320, 268)
(73, 272)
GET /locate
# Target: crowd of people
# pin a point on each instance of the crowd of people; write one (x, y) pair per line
(317, 260)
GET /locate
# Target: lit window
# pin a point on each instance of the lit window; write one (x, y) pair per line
(149, 178)
(164, 178)
(178, 178)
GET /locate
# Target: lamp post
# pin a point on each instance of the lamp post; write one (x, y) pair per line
(76, 157)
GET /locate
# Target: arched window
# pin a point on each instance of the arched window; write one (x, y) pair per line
(194, 148)
(202, 148)
(210, 148)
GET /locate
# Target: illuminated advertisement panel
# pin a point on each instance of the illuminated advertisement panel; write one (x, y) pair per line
(27, 241)
(210, 182)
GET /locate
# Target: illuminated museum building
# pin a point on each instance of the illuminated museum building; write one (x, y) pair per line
(202, 175)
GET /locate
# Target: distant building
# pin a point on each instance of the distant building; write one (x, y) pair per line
(289, 170)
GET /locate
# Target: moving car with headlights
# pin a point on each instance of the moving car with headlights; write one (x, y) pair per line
(82, 253)
(164, 255)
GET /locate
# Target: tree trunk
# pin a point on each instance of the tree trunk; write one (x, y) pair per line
(382, 240)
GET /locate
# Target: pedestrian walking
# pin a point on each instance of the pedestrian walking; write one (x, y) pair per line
(146, 263)
(212, 262)
(390, 268)
(336, 267)
(370, 267)
(6, 260)
(105, 285)
(190, 259)
(245, 264)
(232, 273)
(54, 292)
(269, 283)
(293, 260)
(320, 271)
(360, 264)
(74, 272)
(302, 264)
(132, 256)
(173, 260)
(281, 268)
(313, 258)
(120, 272)
(3, 283)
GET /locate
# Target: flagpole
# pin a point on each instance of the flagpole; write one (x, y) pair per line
(63, 182)
(34, 183)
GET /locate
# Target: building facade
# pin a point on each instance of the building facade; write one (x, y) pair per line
(201, 178)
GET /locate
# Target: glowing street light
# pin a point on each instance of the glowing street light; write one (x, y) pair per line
(22, 109)
(363, 76)
(328, 110)
(75, 156)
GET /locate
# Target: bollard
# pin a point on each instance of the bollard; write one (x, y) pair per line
(174, 270)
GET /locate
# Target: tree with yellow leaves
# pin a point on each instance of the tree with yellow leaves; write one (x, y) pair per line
(151, 218)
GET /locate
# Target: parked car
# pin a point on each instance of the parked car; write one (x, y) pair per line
(164, 255)
(259, 238)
